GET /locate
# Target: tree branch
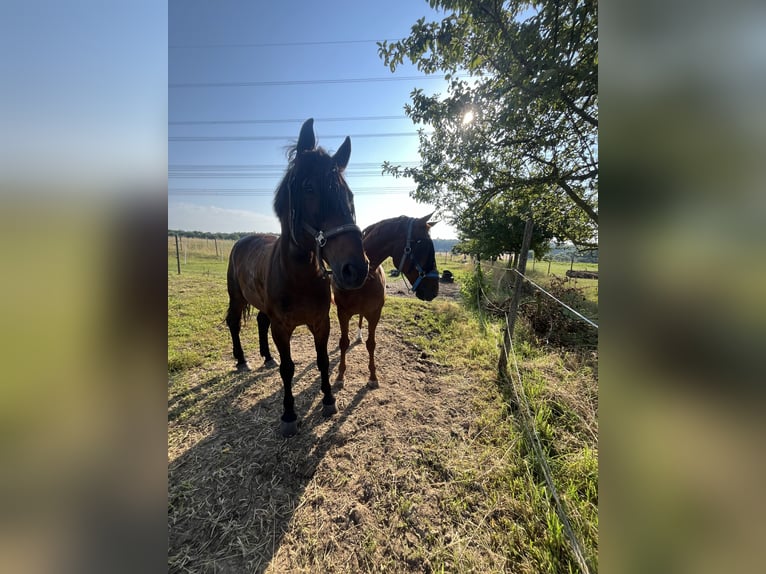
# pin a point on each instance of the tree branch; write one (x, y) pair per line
(580, 202)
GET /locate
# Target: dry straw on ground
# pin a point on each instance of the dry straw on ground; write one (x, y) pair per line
(403, 479)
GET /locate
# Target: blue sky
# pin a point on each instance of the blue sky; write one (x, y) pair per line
(293, 42)
(84, 88)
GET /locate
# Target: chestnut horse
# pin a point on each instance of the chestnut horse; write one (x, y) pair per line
(284, 276)
(407, 242)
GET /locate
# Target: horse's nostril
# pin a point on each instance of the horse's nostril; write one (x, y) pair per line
(352, 275)
(348, 272)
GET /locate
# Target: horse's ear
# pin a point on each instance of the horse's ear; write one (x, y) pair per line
(306, 140)
(429, 224)
(343, 154)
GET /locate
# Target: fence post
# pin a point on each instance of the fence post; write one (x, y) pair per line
(215, 241)
(549, 266)
(178, 256)
(521, 266)
(571, 265)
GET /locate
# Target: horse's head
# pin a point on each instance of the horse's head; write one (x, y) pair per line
(418, 260)
(316, 209)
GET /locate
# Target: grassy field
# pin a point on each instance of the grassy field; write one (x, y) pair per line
(429, 473)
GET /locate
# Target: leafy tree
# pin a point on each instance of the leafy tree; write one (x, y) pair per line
(521, 115)
(493, 231)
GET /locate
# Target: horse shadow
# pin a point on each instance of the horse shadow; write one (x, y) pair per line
(232, 496)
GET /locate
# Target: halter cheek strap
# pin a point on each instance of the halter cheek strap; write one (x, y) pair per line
(422, 274)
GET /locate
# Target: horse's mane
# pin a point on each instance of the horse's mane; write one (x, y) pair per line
(281, 199)
(378, 224)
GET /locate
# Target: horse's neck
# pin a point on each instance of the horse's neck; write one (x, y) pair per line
(381, 245)
(294, 259)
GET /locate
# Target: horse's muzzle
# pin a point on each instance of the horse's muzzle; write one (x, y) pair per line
(352, 275)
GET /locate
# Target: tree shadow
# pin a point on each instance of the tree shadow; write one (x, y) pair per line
(232, 496)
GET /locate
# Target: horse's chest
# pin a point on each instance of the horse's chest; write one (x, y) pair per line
(302, 304)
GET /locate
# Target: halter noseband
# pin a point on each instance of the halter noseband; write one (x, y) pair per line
(321, 237)
(421, 273)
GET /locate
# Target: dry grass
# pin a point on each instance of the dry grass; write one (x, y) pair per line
(425, 474)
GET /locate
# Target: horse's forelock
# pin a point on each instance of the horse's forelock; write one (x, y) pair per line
(340, 198)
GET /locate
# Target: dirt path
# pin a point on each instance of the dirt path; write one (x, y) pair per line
(344, 494)
(395, 287)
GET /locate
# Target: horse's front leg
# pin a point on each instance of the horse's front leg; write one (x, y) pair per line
(372, 324)
(321, 334)
(343, 319)
(281, 336)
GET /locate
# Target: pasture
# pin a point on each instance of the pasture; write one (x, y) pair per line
(428, 473)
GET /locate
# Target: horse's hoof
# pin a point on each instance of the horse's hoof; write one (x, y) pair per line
(269, 364)
(372, 384)
(289, 429)
(339, 383)
(329, 410)
(241, 367)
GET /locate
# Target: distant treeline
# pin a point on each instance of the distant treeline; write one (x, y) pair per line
(207, 234)
(565, 254)
(444, 245)
(439, 244)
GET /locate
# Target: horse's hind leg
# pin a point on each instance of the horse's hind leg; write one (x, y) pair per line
(237, 306)
(343, 319)
(372, 324)
(263, 339)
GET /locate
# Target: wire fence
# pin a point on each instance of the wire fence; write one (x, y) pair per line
(527, 416)
(530, 430)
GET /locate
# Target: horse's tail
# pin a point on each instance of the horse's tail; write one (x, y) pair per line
(239, 309)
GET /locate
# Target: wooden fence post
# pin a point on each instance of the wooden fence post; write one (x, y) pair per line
(178, 256)
(522, 268)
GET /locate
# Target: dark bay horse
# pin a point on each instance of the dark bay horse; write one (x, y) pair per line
(284, 276)
(407, 242)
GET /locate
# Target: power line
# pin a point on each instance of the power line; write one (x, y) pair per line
(262, 175)
(284, 138)
(279, 44)
(282, 121)
(281, 166)
(269, 83)
(270, 192)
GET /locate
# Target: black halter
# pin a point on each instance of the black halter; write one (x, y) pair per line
(421, 273)
(321, 237)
